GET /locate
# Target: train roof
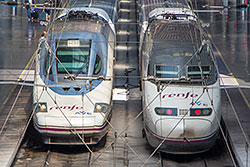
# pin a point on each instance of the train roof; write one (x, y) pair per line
(82, 21)
(149, 5)
(78, 26)
(109, 6)
(169, 31)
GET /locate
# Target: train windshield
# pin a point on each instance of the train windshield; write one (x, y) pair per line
(166, 71)
(180, 63)
(73, 57)
(198, 72)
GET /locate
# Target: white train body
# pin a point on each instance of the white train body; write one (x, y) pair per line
(72, 95)
(181, 132)
(180, 84)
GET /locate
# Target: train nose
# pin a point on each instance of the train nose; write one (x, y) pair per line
(187, 136)
(186, 129)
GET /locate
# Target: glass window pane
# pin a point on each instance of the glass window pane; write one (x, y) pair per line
(98, 65)
(194, 72)
(73, 59)
(166, 71)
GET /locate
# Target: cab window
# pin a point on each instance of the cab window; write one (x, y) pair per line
(98, 65)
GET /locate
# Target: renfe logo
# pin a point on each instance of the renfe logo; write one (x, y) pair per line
(67, 107)
(180, 95)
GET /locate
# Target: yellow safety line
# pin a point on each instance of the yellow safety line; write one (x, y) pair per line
(8, 97)
(227, 67)
(25, 69)
(229, 70)
(20, 77)
(235, 80)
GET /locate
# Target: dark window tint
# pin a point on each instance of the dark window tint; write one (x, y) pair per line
(195, 72)
(166, 71)
(72, 59)
(98, 65)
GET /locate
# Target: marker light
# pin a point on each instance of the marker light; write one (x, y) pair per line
(98, 107)
(166, 111)
(197, 112)
(200, 111)
(169, 111)
(101, 107)
(206, 111)
(41, 107)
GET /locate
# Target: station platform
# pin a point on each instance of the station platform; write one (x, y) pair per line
(236, 116)
(12, 131)
(235, 105)
(19, 38)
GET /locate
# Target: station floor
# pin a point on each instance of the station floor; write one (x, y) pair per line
(229, 30)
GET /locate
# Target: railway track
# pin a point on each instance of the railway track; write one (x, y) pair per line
(62, 156)
(194, 161)
(14, 116)
(47, 156)
(54, 158)
(118, 154)
(218, 156)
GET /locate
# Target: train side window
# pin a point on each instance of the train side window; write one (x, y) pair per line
(98, 65)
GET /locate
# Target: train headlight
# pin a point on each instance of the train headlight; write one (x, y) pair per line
(101, 107)
(200, 111)
(41, 107)
(166, 111)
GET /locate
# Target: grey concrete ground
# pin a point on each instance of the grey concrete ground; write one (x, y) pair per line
(18, 41)
(230, 31)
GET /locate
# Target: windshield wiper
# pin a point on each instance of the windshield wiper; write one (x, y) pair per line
(157, 79)
(70, 77)
(90, 78)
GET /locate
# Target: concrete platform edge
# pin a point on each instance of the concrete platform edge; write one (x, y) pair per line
(232, 146)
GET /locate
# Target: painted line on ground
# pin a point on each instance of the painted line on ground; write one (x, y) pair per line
(19, 78)
(231, 73)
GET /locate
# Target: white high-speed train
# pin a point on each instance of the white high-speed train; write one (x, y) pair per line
(72, 95)
(179, 79)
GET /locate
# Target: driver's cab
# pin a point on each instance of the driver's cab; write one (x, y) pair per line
(72, 57)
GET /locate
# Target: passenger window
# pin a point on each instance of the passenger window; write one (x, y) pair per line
(98, 65)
